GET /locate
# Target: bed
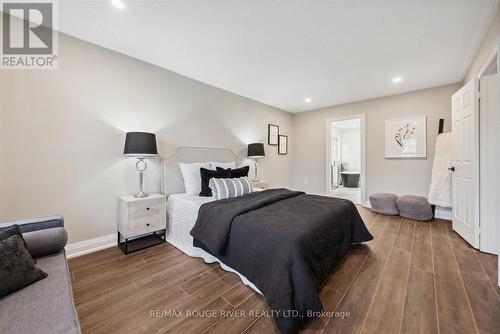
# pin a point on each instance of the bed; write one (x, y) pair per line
(182, 212)
(283, 244)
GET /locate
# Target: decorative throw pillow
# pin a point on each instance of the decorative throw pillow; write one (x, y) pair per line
(191, 175)
(207, 174)
(225, 165)
(237, 172)
(233, 187)
(10, 231)
(17, 268)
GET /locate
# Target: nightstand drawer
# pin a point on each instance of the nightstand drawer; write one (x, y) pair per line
(145, 225)
(149, 208)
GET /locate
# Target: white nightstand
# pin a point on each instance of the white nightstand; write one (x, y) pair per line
(260, 184)
(142, 222)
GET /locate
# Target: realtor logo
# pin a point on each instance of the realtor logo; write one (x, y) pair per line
(29, 40)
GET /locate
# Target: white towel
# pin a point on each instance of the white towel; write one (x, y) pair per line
(440, 188)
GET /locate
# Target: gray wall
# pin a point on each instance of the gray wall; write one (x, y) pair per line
(62, 133)
(488, 46)
(401, 176)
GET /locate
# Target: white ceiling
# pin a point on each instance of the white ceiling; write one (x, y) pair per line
(281, 52)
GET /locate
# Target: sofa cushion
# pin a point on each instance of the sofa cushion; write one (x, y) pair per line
(35, 224)
(17, 268)
(44, 307)
(46, 242)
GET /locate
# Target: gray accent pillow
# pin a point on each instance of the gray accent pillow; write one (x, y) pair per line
(17, 268)
(46, 242)
(226, 188)
(10, 231)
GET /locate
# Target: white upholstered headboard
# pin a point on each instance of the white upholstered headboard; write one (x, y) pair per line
(171, 177)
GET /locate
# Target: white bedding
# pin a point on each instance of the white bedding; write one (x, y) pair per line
(182, 212)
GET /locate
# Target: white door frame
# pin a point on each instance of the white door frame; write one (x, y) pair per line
(498, 70)
(362, 118)
(485, 68)
(498, 74)
(489, 197)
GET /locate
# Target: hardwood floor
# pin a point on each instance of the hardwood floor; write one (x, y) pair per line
(414, 277)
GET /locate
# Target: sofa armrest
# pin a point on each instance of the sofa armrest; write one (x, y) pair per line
(46, 242)
(36, 224)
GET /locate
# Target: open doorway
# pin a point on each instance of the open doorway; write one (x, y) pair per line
(345, 158)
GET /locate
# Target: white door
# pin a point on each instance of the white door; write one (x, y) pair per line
(465, 162)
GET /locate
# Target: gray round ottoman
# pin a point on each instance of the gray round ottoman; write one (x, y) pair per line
(384, 203)
(414, 207)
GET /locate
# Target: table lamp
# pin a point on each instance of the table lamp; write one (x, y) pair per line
(255, 152)
(140, 145)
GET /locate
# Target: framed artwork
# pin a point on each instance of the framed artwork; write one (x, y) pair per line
(406, 137)
(273, 132)
(283, 145)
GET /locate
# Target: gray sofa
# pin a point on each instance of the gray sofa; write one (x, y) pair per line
(46, 306)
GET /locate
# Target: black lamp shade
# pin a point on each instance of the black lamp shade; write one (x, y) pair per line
(140, 143)
(256, 150)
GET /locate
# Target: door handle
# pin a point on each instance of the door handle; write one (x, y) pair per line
(452, 169)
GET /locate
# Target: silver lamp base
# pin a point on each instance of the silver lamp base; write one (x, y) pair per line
(256, 175)
(141, 194)
(141, 166)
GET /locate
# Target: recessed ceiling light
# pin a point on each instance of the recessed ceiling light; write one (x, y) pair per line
(118, 4)
(397, 80)
(307, 100)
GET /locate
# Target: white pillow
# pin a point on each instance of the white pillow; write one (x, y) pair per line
(226, 188)
(191, 175)
(224, 165)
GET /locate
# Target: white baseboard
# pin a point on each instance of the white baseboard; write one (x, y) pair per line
(89, 246)
(443, 213)
(440, 212)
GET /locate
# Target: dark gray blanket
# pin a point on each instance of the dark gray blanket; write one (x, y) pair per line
(285, 242)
